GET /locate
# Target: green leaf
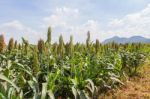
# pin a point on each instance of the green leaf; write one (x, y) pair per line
(51, 95)
(117, 80)
(2, 96)
(74, 91)
(91, 87)
(2, 77)
(44, 90)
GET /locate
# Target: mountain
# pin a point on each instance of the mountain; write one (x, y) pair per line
(133, 39)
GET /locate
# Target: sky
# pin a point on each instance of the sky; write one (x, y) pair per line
(103, 18)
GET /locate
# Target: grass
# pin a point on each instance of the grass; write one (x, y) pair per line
(137, 87)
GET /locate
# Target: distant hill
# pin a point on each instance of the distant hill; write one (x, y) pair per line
(133, 39)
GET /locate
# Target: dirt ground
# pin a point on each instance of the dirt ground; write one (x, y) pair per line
(135, 88)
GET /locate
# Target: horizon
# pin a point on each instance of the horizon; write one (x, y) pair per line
(77, 41)
(104, 19)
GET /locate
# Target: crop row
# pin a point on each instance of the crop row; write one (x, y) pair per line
(65, 70)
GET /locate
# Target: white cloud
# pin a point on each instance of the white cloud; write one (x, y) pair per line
(61, 17)
(80, 31)
(132, 24)
(69, 21)
(14, 24)
(17, 30)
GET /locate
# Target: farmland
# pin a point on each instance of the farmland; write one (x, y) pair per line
(71, 70)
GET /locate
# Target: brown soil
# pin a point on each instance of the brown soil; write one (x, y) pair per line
(135, 87)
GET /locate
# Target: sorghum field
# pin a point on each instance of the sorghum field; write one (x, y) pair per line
(66, 70)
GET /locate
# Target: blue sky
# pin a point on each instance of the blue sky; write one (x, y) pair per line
(103, 18)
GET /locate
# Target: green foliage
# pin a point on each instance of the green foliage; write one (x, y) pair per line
(75, 71)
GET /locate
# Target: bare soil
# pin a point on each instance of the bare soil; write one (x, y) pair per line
(137, 87)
